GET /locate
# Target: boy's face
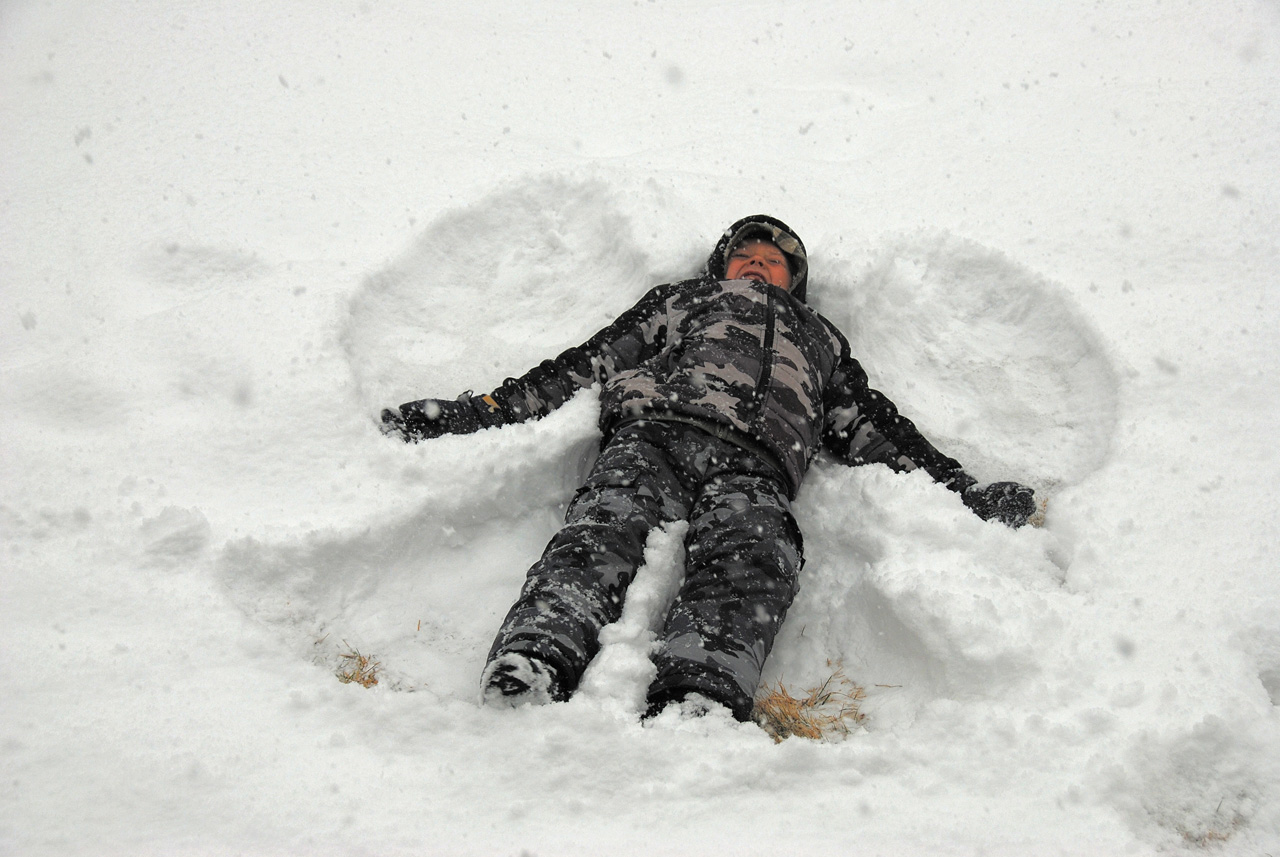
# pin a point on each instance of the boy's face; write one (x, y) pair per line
(761, 261)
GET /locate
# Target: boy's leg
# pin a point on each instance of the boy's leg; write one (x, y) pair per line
(578, 585)
(744, 557)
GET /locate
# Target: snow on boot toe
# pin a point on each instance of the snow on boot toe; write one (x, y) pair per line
(513, 680)
(687, 706)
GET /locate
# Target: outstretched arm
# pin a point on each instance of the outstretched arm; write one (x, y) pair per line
(630, 340)
(429, 418)
(864, 427)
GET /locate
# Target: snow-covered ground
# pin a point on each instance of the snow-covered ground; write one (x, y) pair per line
(230, 233)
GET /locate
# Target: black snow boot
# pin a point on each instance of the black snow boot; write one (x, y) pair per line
(515, 679)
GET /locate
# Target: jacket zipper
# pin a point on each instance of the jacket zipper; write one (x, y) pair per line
(766, 358)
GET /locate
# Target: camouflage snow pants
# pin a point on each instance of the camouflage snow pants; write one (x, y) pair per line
(743, 556)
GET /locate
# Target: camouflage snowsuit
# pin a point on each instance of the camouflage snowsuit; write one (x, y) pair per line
(743, 554)
(715, 396)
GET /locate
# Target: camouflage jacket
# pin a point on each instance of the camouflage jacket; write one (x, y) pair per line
(747, 361)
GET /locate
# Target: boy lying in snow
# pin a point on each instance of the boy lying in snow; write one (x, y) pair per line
(716, 392)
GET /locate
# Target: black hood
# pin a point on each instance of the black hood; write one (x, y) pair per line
(762, 226)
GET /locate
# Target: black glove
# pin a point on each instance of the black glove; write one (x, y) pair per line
(430, 418)
(1007, 502)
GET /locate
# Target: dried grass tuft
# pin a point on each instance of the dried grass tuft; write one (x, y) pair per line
(1042, 509)
(830, 709)
(358, 668)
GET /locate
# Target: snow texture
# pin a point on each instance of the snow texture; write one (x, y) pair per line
(234, 233)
